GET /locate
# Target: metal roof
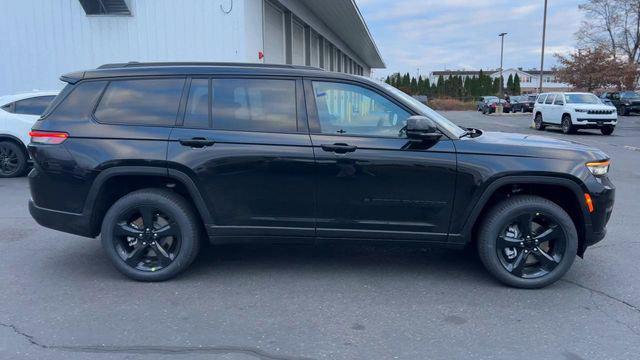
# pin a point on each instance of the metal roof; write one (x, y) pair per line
(344, 18)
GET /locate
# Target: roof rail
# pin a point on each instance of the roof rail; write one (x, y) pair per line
(230, 64)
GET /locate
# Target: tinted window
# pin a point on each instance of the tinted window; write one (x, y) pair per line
(80, 102)
(144, 102)
(254, 105)
(541, 98)
(355, 110)
(559, 100)
(550, 99)
(34, 105)
(196, 113)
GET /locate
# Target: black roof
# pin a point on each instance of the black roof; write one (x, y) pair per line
(195, 68)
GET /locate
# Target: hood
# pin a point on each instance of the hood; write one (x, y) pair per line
(591, 106)
(500, 143)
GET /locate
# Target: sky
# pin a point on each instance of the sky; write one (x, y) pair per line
(463, 34)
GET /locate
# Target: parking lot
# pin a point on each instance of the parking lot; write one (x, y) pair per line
(60, 298)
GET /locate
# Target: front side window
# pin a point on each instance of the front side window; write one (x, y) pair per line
(266, 105)
(33, 106)
(354, 110)
(151, 102)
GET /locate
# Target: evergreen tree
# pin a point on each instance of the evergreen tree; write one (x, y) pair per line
(414, 86)
(516, 85)
(510, 84)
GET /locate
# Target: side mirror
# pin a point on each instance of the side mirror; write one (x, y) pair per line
(422, 128)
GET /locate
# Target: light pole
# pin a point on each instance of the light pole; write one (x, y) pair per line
(501, 56)
(544, 31)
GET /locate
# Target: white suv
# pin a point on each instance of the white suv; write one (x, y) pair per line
(572, 111)
(18, 113)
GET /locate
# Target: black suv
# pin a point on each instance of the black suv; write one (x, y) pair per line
(154, 156)
(625, 102)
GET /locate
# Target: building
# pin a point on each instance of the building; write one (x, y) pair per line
(46, 38)
(529, 79)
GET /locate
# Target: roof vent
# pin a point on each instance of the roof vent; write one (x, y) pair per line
(105, 7)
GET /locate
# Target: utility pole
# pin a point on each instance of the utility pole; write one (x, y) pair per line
(501, 55)
(544, 31)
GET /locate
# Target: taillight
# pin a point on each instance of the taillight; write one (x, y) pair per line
(48, 137)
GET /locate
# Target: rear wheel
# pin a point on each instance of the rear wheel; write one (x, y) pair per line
(527, 242)
(151, 235)
(537, 121)
(607, 130)
(13, 160)
(567, 126)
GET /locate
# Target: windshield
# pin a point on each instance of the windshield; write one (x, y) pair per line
(630, 95)
(425, 110)
(582, 99)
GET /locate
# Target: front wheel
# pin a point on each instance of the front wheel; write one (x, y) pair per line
(151, 234)
(527, 242)
(607, 130)
(567, 126)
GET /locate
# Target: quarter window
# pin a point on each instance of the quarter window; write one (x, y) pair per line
(80, 102)
(33, 106)
(354, 110)
(254, 105)
(142, 102)
(196, 114)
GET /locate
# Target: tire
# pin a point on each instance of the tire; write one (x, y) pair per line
(537, 121)
(622, 110)
(607, 130)
(500, 216)
(484, 111)
(567, 126)
(164, 203)
(13, 160)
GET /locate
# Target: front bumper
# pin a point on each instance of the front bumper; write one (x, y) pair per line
(603, 197)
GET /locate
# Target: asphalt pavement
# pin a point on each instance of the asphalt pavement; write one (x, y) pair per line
(60, 298)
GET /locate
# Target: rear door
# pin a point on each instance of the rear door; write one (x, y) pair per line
(371, 181)
(244, 141)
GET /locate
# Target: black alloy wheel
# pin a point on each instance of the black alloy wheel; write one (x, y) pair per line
(147, 239)
(531, 246)
(13, 161)
(151, 234)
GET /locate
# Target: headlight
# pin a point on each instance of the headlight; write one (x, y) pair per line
(581, 110)
(599, 168)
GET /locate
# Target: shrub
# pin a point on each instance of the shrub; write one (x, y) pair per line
(451, 104)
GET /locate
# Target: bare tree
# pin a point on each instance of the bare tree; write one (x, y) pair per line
(593, 68)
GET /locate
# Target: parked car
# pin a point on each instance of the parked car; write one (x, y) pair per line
(17, 114)
(152, 157)
(523, 103)
(572, 111)
(490, 106)
(483, 100)
(625, 102)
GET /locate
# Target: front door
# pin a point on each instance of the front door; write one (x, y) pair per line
(245, 143)
(372, 182)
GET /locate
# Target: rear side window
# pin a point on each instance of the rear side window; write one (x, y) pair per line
(152, 102)
(80, 102)
(33, 106)
(267, 105)
(541, 98)
(550, 99)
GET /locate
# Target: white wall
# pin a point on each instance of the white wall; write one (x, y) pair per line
(43, 39)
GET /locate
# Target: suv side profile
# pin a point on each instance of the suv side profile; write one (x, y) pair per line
(154, 157)
(625, 102)
(572, 111)
(18, 113)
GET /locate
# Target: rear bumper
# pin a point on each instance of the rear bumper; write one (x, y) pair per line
(77, 224)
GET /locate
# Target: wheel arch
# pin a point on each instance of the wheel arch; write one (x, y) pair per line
(17, 141)
(113, 183)
(565, 192)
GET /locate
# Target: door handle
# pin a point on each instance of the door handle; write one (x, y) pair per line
(339, 148)
(196, 142)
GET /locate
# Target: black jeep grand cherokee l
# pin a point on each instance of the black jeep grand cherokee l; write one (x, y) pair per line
(152, 156)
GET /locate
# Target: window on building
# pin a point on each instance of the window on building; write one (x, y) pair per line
(105, 7)
(33, 106)
(354, 110)
(315, 49)
(274, 43)
(142, 102)
(196, 114)
(297, 43)
(254, 105)
(327, 55)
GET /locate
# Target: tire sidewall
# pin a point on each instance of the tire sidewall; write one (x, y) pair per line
(188, 233)
(22, 160)
(498, 219)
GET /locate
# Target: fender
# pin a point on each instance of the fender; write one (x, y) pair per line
(16, 139)
(575, 187)
(177, 175)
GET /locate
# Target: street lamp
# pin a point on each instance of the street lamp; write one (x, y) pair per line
(544, 31)
(501, 56)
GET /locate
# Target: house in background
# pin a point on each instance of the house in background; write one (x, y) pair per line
(529, 79)
(46, 38)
